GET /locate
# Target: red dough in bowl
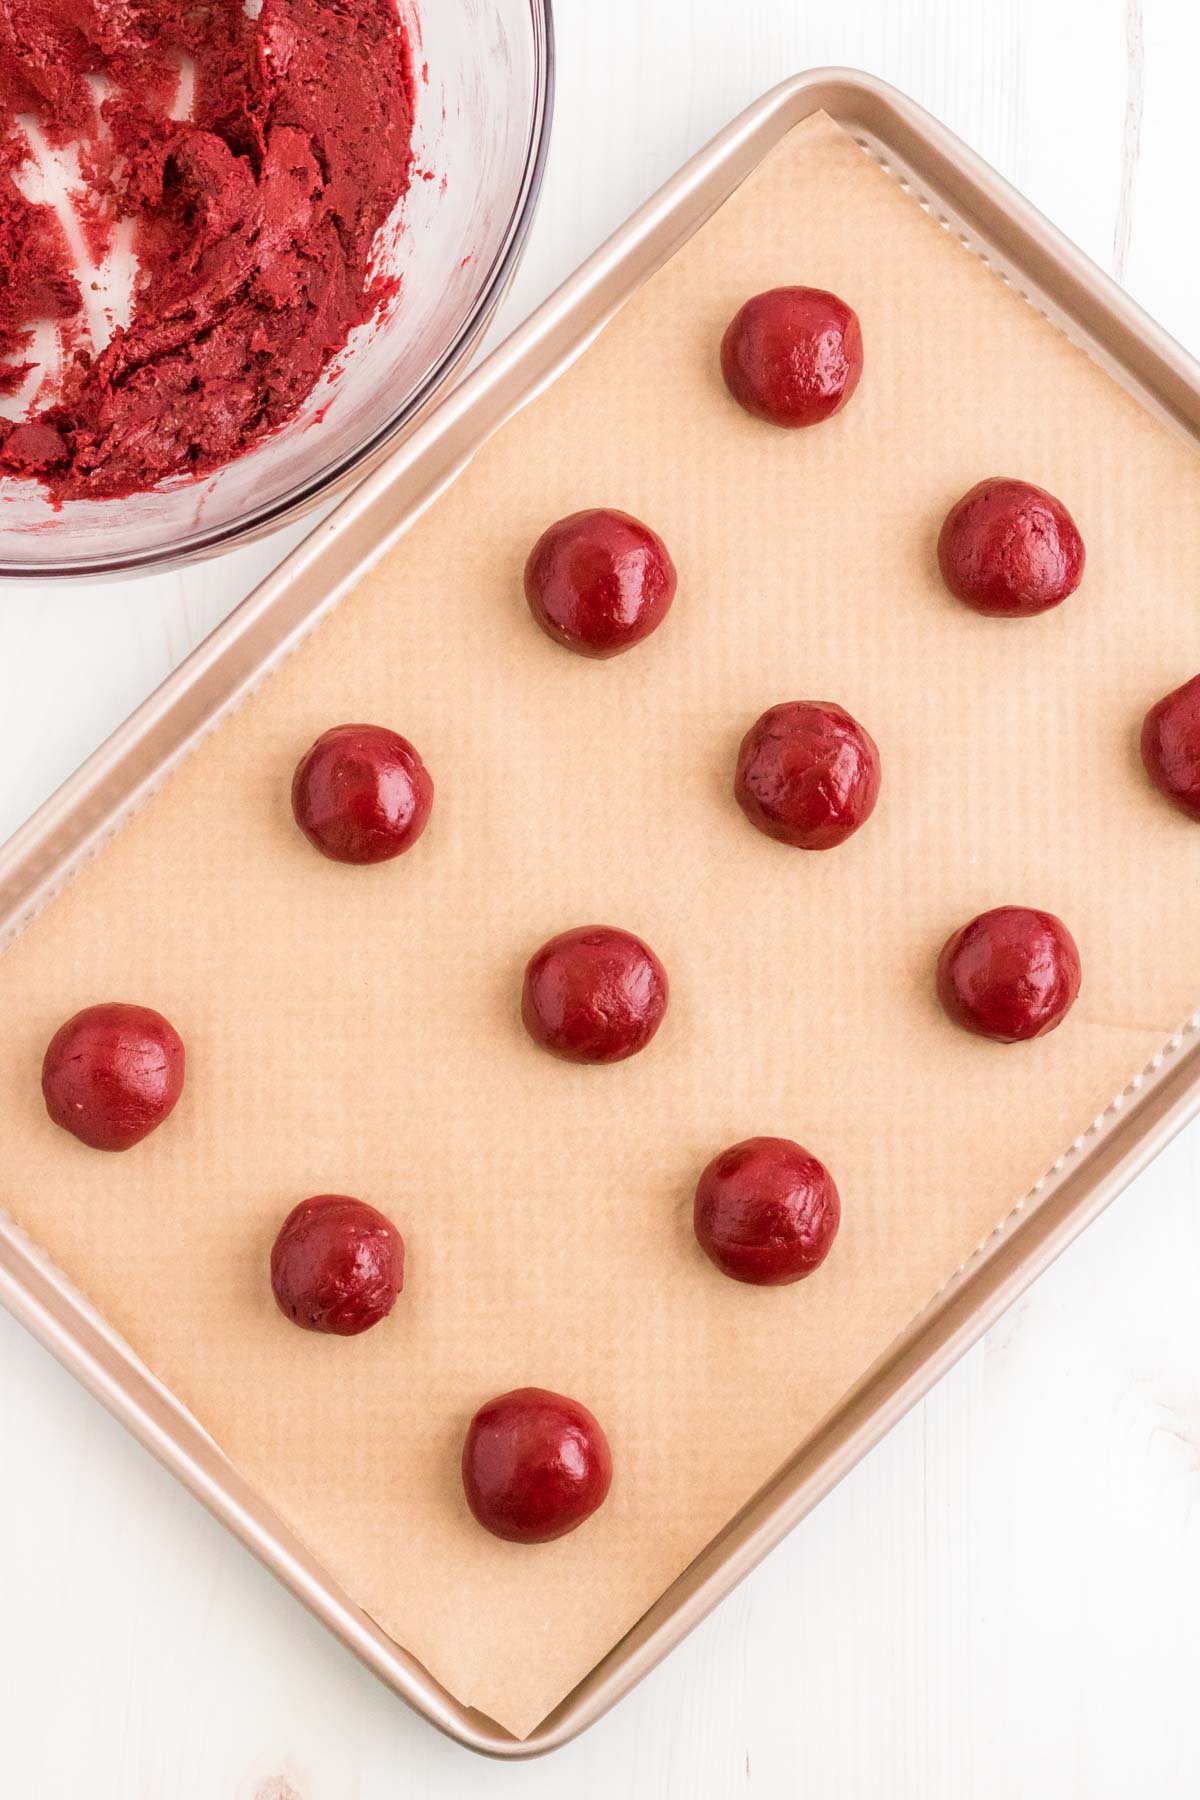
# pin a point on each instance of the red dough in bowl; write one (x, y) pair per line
(337, 1265)
(807, 774)
(254, 221)
(112, 1074)
(599, 582)
(1010, 974)
(793, 355)
(361, 794)
(535, 1465)
(766, 1212)
(1171, 746)
(594, 995)
(1010, 549)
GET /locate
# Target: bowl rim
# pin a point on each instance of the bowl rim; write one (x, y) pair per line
(257, 521)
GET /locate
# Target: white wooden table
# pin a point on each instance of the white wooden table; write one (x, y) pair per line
(1004, 1599)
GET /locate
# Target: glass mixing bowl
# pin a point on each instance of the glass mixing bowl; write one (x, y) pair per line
(484, 85)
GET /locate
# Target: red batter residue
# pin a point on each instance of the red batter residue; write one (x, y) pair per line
(254, 219)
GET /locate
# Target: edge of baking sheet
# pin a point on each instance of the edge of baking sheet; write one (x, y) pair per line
(967, 198)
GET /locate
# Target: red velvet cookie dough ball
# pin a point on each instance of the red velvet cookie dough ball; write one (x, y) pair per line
(594, 995)
(1011, 974)
(535, 1465)
(766, 1212)
(112, 1074)
(1171, 746)
(807, 774)
(337, 1265)
(1010, 549)
(599, 582)
(361, 794)
(793, 355)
